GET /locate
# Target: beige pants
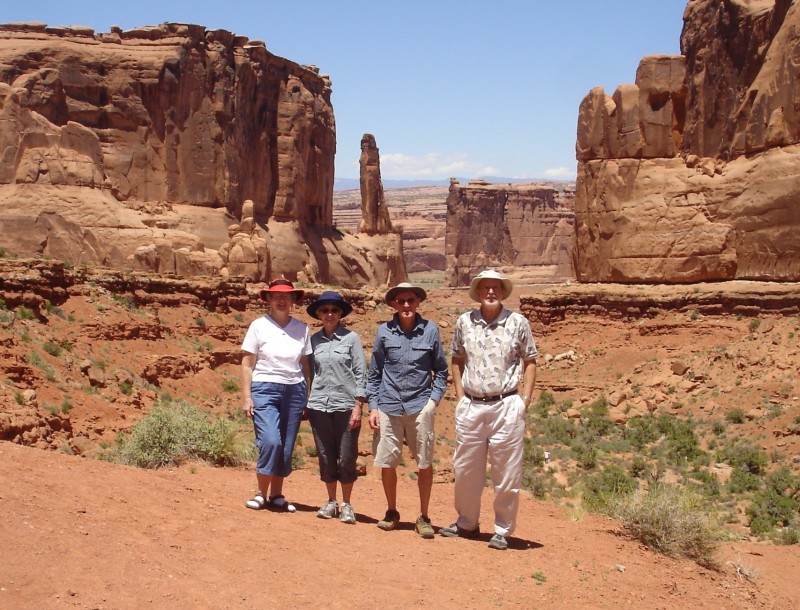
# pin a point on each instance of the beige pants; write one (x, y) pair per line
(496, 429)
(417, 430)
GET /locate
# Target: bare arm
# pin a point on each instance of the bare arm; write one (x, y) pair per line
(457, 369)
(528, 379)
(248, 364)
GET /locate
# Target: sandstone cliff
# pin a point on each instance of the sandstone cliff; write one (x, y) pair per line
(692, 173)
(112, 143)
(524, 226)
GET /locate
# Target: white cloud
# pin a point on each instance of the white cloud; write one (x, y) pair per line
(560, 173)
(433, 166)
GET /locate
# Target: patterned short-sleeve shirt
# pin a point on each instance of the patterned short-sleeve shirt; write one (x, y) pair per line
(494, 351)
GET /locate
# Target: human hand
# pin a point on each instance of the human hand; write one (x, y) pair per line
(355, 417)
(374, 419)
(247, 407)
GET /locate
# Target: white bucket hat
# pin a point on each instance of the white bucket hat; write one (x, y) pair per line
(489, 274)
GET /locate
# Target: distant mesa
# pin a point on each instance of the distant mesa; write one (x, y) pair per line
(139, 148)
(693, 173)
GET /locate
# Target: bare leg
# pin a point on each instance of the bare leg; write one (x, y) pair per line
(347, 489)
(331, 490)
(425, 484)
(264, 481)
(277, 486)
(389, 480)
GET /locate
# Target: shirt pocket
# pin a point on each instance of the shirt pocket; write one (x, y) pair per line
(341, 355)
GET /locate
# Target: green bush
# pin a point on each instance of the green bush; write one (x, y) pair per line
(735, 415)
(175, 432)
(777, 505)
(669, 519)
(541, 405)
(604, 488)
(641, 431)
(744, 456)
(23, 313)
(230, 386)
(743, 481)
(54, 349)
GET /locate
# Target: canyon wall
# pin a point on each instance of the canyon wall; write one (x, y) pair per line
(693, 173)
(117, 142)
(524, 229)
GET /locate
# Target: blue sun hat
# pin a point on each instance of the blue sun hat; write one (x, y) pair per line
(329, 298)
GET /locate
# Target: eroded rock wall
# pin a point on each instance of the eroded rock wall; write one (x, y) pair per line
(102, 135)
(527, 227)
(693, 173)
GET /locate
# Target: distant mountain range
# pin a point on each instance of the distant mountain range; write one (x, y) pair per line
(349, 184)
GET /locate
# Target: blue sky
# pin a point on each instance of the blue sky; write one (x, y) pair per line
(448, 88)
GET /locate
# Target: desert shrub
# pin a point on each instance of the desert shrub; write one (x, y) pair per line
(23, 313)
(777, 505)
(681, 442)
(595, 418)
(735, 415)
(708, 482)
(230, 386)
(669, 519)
(786, 536)
(126, 387)
(641, 431)
(54, 349)
(585, 455)
(754, 324)
(174, 432)
(744, 456)
(602, 489)
(742, 481)
(557, 430)
(542, 405)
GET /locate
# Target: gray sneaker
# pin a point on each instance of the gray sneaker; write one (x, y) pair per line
(328, 510)
(498, 542)
(346, 514)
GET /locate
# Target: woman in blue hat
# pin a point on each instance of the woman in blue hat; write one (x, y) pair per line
(338, 391)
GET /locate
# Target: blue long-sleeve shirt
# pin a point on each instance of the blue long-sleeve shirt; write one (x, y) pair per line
(339, 371)
(406, 368)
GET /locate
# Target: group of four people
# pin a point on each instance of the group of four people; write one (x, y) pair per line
(493, 364)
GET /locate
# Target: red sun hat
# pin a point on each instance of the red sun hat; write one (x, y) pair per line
(281, 286)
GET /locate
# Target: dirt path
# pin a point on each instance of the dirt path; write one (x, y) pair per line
(80, 533)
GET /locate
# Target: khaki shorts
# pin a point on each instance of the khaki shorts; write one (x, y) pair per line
(416, 429)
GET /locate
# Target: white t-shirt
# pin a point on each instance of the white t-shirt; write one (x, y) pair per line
(277, 349)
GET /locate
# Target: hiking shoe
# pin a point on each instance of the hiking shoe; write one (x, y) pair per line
(390, 521)
(453, 531)
(498, 542)
(424, 528)
(346, 514)
(328, 510)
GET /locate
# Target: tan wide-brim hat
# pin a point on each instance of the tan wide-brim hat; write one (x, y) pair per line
(489, 274)
(405, 287)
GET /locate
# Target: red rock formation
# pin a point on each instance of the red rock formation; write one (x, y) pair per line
(374, 212)
(103, 135)
(691, 174)
(528, 227)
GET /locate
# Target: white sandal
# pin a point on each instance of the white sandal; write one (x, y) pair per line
(257, 502)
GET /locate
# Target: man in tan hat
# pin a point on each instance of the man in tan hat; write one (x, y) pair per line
(407, 379)
(493, 351)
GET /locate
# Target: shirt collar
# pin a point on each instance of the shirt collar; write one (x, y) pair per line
(394, 325)
(477, 318)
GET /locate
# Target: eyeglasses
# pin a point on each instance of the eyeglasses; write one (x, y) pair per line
(495, 289)
(408, 301)
(329, 310)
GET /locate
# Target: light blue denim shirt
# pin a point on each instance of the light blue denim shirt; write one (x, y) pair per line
(406, 368)
(339, 370)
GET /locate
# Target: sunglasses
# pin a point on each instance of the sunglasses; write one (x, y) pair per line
(329, 310)
(409, 301)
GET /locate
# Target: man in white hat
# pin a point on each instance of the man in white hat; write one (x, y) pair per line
(494, 359)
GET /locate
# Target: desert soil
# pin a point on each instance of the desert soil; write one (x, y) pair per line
(77, 532)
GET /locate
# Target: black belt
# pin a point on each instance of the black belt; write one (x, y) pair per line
(494, 398)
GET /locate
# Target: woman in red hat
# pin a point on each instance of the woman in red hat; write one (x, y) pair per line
(275, 376)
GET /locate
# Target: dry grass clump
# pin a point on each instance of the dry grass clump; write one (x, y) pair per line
(669, 519)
